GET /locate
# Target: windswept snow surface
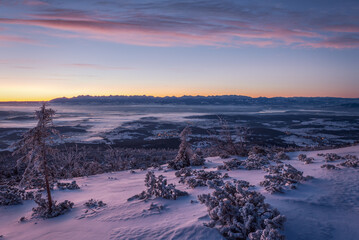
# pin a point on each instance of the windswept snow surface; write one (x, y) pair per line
(326, 207)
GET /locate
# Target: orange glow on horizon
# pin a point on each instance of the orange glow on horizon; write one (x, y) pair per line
(170, 94)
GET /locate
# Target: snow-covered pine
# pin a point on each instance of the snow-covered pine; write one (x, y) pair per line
(35, 144)
(240, 214)
(158, 187)
(185, 156)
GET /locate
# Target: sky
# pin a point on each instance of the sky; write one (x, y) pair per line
(65, 48)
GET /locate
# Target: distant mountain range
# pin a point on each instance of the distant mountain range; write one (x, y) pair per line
(211, 100)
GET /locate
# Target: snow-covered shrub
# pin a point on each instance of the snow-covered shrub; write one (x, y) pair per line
(330, 157)
(184, 172)
(282, 177)
(197, 159)
(92, 203)
(239, 213)
(329, 166)
(350, 157)
(158, 187)
(258, 150)
(305, 159)
(70, 186)
(281, 156)
(308, 160)
(43, 210)
(155, 207)
(302, 157)
(350, 163)
(232, 164)
(184, 155)
(77, 161)
(199, 178)
(253, 162)
(10, 195)
(192, 182)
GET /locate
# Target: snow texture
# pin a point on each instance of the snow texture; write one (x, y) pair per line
(325, 208)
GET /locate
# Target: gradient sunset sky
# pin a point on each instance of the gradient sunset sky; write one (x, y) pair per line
(59, 48)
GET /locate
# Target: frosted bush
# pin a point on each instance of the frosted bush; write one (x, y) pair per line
(281, 156)
(194, 178)
(329, 166)
(94, 204)
(12, 196)
(70, 186)
(184, 172)
(306, 160)
(239, 213)
(56, 209)
(158, 187)
(350, 163)
(330, 157)
(253, 162)
(232, 164)
(350, 157)
(197, 160)
(282, 177)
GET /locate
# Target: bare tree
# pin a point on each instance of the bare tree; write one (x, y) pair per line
(230, 140)
(35, 144)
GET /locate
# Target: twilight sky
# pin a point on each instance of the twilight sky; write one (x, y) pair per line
(58, 48)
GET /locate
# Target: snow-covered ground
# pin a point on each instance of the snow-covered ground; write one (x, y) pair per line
(326, 207)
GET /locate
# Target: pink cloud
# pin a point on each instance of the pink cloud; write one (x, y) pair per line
(35, 3)
(143, 26)
(96, 66)
(11, 38)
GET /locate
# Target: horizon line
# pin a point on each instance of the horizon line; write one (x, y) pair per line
(167, 96)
